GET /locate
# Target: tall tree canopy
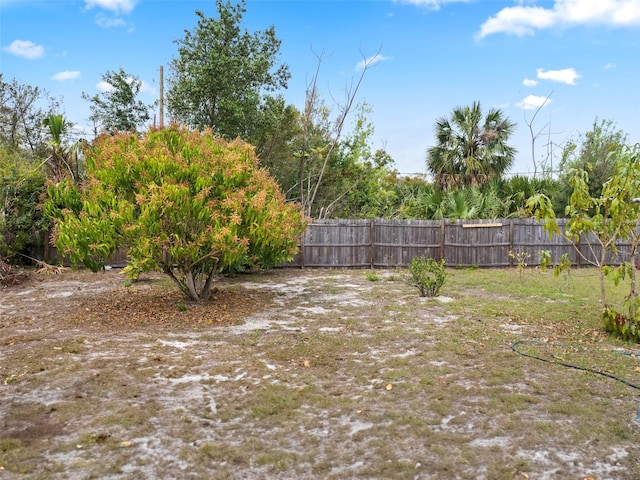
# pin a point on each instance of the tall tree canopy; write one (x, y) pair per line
(22, 109)
(222, 71)
(471, 149)
(118, 108)
(594, 152)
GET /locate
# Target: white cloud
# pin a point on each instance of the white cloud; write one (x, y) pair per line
(368, 62)
(104, 86)
(117, 6)
(566, 75)
(66, 75)
(525, 20)
(518, 21)
(528, 82)
(110, 22)
(26, 49)
(147, 88)
(608, 66)
(533, 102)
(144, 87)
(431, 4)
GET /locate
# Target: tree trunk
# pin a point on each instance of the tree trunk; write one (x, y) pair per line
(191, 290)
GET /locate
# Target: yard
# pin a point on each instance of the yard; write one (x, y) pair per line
(305, 374)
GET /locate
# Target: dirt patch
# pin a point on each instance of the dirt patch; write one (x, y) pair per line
(295, 374)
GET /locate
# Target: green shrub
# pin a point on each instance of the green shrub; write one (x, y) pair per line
(182, 202)
(22, 224)
(372, 277)
(427, 275)
(621, 325)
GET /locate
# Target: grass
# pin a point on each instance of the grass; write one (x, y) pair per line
(389, 386)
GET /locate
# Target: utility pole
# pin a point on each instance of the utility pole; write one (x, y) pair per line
(161, 123)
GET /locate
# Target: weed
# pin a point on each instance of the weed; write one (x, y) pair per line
(372, 277)
(521, 259)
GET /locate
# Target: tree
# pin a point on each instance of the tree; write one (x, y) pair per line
(182, 202)
(22, 223)
(22, 108)
(117, 109)
(322, 139)
(63, 159)
(24, 145)
(609, 218)
(275, 137)
(590, 152)
(471, 150)
(366, 188)
(534, 137)
(221, 72)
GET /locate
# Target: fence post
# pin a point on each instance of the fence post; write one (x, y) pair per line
(302, 235)
(510, 242)
(442, 234)
(372, 241)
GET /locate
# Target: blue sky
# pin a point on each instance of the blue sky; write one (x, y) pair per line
(433, 55)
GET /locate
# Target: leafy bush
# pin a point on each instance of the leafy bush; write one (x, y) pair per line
(427, 275)
(621, 325)
(182, 202)
(22, 224)
(372, 277)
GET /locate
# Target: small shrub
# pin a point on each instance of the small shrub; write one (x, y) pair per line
(427, 275)
(372, 277)
(621, 325)
(23, 227)
(521, 259)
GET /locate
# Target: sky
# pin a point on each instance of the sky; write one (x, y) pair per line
(553, 67)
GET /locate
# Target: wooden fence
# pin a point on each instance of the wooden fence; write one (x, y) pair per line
(393, 243)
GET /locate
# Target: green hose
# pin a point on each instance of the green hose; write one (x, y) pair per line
(514, 347)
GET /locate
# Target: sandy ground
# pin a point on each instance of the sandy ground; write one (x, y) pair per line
(290, 374)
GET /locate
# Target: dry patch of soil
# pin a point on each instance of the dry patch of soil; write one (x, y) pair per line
(289, 374)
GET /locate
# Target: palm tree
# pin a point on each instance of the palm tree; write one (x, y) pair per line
(471, 150)
(64, 159)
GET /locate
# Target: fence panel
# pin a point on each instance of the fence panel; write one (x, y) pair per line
(397, 242)
(483, 243)
(336, 243)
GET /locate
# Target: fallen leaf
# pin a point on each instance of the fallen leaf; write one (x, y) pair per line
(126, 444)
(637, 369)
(307, 363)
(388, 387)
